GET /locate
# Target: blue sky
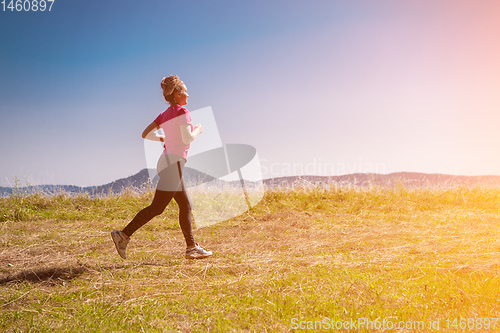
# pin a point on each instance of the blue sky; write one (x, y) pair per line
(318, 87)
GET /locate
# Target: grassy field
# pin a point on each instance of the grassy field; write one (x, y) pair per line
(299, 259)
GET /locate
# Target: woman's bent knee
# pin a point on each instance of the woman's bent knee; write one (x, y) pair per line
(155, 211)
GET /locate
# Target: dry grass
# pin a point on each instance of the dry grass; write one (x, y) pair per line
(307, 254)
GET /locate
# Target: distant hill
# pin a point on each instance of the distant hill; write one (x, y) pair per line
(140, 182)
(406, 179)
(137, 181)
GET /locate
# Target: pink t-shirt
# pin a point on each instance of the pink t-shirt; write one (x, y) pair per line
(170, 121)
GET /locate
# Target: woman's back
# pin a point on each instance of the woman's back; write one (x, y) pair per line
(170, 121)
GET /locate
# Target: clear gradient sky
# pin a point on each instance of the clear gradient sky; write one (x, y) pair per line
(317, 87)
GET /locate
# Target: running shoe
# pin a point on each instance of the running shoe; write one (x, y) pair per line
(197, 252)
(120, 242)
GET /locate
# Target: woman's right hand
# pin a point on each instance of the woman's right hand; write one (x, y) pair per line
(187, 135)
(198, 128)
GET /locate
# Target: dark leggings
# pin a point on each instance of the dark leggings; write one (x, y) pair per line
(160, 202)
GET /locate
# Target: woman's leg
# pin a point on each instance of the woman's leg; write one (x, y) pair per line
(193, 250)
(184, 203)
(168, 184)
(160, 201)
(182, 200)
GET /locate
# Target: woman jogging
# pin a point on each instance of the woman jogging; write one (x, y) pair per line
(179, 133)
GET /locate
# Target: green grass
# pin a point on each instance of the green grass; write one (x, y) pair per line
(341, 254)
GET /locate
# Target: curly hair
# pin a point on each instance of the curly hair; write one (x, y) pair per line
(170, 85)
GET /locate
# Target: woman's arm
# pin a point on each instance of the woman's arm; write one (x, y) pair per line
(188, 136)
(149, 133)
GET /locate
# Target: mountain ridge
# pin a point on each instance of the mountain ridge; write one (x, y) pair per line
(140, 182)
